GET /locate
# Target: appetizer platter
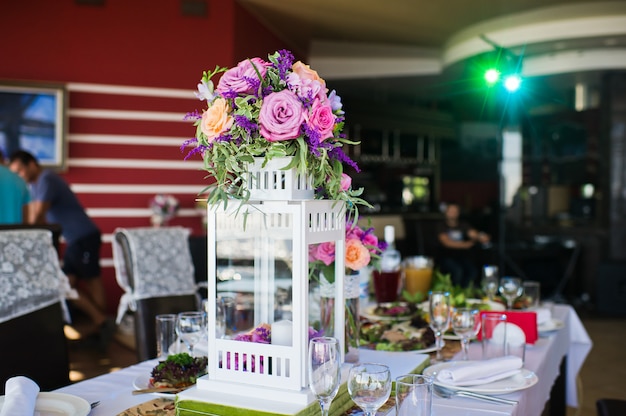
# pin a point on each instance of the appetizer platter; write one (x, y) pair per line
(177, 372)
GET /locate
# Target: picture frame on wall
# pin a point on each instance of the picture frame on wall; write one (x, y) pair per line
(33, 118)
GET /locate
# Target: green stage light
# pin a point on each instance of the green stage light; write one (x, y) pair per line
(492, 76)
(512, 82)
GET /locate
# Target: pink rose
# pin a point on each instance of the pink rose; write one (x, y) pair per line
(353, 231)
(325, 252)
(216, 119)
(370, 239)
(322, 119)
(357, 255)
(346, 182)
(281, 116)
(238, 78)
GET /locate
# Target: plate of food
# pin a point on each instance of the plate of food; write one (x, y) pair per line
(178, 371)
(408, 335)
(390, 311)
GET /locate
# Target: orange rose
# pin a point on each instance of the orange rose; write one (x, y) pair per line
(305, 72)
(216, 119)
(357, 255)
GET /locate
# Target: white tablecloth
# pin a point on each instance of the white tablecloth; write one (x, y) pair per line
(114, 390)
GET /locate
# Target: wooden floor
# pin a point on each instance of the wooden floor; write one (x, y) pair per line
(603, 375)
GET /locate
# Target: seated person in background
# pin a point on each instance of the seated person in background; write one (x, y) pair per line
(456, 238)
(14, 196)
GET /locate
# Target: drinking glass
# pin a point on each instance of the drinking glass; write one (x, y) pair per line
(532, 293)
(511, 289)
(490, 280)
(465, 324)
(369, 386)
(324, 370)
(414, 395)
(439, 317)
(190, 327)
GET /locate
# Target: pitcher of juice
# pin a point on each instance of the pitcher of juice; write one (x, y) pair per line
(418, 274)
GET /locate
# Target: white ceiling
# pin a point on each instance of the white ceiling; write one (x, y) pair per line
(406, 45)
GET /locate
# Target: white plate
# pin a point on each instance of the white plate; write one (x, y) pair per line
(551, 325)
(58, 404)
(523, 380)
(369, 314)
(143, 382)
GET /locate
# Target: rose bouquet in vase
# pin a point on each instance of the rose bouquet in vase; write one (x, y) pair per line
(362, 250)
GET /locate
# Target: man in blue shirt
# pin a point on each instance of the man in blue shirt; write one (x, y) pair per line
(54, 202)
(14, 196)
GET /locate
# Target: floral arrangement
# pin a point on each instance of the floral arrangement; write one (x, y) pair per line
(164, 207)
(261, 334)
(362, 249)
(270, 109)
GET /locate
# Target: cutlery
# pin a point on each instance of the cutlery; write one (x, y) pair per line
(448, 393)
(160, 390)
(95, 404)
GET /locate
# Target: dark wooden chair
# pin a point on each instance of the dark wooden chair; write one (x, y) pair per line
(158, 284)
(34, 345)
(611, 407)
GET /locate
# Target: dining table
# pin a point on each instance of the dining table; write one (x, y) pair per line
(555, 359)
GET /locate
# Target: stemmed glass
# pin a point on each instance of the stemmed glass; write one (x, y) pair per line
(439, 317)
(190, 327)
(511, 288)
(465, 324)
(369, 386)
(490, 280)
(324, 370)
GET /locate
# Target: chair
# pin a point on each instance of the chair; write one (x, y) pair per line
(611, 407)
(155, 269)
(32, 309)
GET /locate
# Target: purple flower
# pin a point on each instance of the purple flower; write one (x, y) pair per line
(281, 116)
(284, 63)
(335, 102)
(239, 79)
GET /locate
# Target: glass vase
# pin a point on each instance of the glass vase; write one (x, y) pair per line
(352, 320)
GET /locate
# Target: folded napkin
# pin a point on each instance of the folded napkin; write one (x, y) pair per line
(20, 395)
(544, 315)
(481, 372)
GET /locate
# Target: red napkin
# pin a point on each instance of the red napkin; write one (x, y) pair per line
(527, 320)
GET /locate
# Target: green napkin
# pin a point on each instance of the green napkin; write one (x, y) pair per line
(340, 405)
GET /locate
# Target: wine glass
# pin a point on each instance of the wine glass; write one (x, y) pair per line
(511, 288)
(324, 370)
(490, 280)
(465, 324)
(439, 318)
(190, 327)
(369, 386)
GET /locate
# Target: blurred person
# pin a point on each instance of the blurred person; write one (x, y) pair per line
(456, 239)
(54, 202)
(14, 196)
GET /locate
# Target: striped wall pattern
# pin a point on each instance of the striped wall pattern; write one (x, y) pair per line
(123, 148)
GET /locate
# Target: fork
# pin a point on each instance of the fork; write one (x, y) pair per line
(448, 393)
(94, 404)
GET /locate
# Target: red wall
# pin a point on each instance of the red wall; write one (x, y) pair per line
(118, 159)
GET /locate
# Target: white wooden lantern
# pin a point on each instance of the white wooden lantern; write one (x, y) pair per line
(258, 249)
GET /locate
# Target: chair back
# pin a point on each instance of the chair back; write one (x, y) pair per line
(155, 269)
(32, 304)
